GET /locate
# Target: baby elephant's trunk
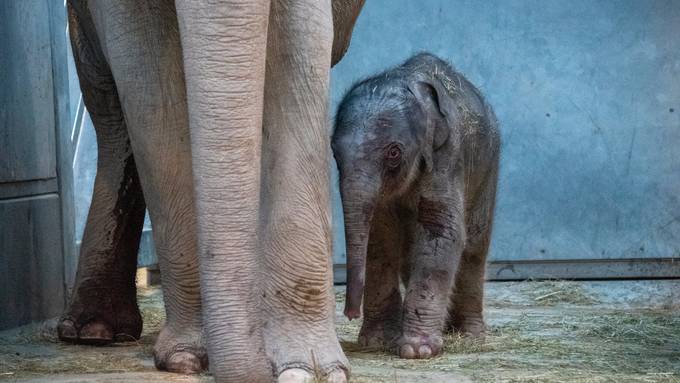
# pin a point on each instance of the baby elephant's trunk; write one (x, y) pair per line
(358, 209)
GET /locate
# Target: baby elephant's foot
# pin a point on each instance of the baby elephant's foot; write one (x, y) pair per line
(470, 325)
(180, 351)
(377, 334)
(418, 346)
(97, 328)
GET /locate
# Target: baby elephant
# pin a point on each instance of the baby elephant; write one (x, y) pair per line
(417, 148)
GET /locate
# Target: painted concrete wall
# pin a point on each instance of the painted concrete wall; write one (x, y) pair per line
(588, 97)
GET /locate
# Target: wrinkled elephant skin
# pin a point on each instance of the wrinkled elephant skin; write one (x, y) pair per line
(234, 175)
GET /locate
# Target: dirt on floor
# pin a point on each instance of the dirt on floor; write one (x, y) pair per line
(558, 331)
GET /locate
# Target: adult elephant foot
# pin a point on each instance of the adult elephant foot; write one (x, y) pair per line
(180, 351)
(102, 321)
(314, 357)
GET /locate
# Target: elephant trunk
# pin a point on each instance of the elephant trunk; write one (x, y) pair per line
(358, 205)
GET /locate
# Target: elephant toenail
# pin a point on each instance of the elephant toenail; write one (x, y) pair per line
(96, 333)
(337, 376)
(183, 362)
(295, 375)
(67, 330)
(124, 337)
(424, 351)
(407, 352)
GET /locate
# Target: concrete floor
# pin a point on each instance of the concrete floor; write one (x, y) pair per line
(623, 331)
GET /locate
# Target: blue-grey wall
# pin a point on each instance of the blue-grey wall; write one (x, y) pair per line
(588, 98)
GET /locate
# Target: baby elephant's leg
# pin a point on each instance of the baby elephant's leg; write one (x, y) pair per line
(438, 241)
(466, 310)
(382, 298)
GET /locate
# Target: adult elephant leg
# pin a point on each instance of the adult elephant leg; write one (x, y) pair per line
(143, 50)
(224, 47)
(103, 307)
(299, 329)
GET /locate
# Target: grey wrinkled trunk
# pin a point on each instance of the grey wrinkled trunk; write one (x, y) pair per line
(358, 205)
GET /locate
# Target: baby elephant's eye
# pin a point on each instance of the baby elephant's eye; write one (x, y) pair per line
(393, 155)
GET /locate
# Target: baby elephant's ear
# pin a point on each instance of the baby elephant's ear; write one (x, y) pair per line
(439, 108)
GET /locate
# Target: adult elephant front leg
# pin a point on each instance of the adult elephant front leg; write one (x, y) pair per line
(141, 44)
(224, 52)
(299, 330)
(224, 48)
